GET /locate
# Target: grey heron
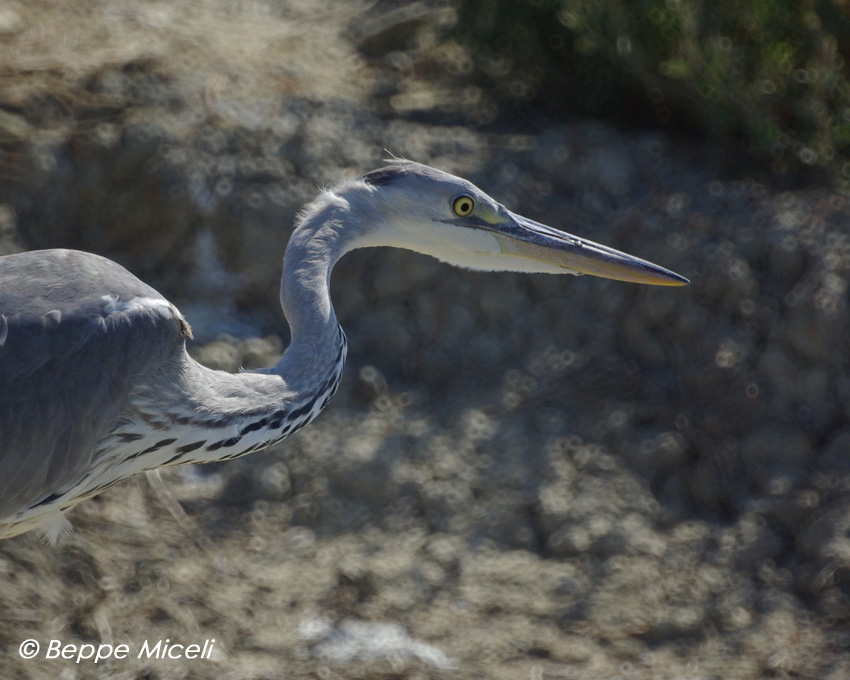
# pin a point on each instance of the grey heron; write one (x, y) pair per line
(96, 384)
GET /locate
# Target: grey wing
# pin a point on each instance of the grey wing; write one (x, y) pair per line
(77, 331)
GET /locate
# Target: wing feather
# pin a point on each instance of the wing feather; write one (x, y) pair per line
(80, 332)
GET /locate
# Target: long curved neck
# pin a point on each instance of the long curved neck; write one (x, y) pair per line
(207, 415)
(314, 248)
(211, 415)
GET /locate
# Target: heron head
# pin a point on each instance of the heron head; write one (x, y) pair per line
(419, 208)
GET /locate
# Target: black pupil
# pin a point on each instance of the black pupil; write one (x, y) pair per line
(463, 206)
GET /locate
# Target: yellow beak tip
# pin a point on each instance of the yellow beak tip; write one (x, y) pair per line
(679, 281)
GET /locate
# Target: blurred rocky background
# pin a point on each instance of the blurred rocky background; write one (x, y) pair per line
(521, 476)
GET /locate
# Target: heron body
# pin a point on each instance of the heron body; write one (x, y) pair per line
(96, 384)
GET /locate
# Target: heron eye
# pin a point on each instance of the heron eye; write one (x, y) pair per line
(463, 205)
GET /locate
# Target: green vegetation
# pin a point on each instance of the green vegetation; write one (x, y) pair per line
(768, 75)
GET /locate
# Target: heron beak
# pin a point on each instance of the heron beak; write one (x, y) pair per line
(529, 239)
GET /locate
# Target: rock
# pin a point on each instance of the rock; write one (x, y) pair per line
(835, 458)
(810, 333)
(776, 458)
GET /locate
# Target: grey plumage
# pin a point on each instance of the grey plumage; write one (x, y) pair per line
(95, 381)
(67, 363)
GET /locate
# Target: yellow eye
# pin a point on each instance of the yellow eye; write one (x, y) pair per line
(463, 205)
